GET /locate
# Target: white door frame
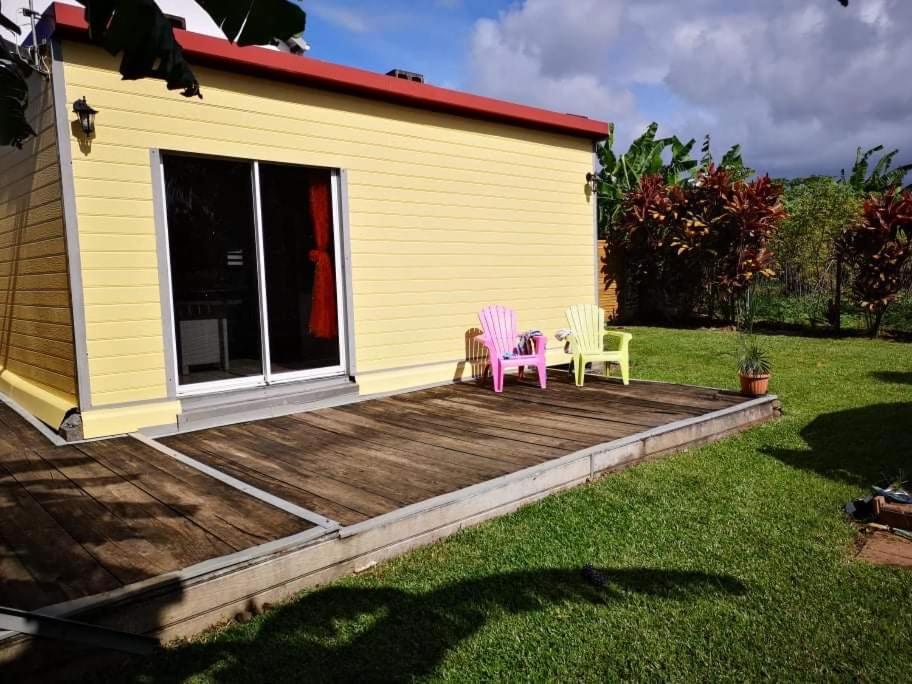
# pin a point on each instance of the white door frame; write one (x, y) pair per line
(267, 377)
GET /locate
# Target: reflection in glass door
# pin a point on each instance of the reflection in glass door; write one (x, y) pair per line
(212, 249)
(300, 269)
(255, 272)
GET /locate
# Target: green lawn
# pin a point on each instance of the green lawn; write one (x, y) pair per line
(731, 562)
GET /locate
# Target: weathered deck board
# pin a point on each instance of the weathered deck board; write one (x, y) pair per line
(84, 519)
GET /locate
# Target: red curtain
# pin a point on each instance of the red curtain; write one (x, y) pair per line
(323, 318)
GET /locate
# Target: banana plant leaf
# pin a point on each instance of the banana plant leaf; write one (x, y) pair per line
(860, 168)
(139, 30)
(14, 96)
(256, 23)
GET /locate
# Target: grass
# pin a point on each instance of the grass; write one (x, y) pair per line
(731, 562)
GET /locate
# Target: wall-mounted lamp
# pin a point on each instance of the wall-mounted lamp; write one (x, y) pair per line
(86, 115)
(593, 181)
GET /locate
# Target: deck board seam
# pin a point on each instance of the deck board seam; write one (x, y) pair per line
(240, 485)
(391, 428)
(256, 472)
(310, 468)
(135, 481)
(127, 523)
(437, 417)
(419, 422)
(449, 467)
(63, 529)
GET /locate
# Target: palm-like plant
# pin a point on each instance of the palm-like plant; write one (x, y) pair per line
(14, 128)
(732, 161)
(882, 176)
(139, 31)
(753, 361)
(620, 174)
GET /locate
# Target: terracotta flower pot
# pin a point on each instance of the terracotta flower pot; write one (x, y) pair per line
(754, 385)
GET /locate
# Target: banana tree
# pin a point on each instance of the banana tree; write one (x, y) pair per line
(14, 71)
(882, 177)
(139, 31)
(620, 174)
(732, 161)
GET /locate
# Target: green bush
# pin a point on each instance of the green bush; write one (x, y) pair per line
(819, 209)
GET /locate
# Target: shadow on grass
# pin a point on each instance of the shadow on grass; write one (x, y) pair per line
(369, 634)
(860, 446)
(893, 377)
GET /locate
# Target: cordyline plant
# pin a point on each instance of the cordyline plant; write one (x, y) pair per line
(879, 248)
(732, 223)
(709, 237)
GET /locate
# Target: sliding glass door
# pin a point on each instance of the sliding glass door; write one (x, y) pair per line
(255, 272)
(299, 251)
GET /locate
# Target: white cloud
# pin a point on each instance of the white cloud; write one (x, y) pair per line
(343, 17)
(799, 84)
(549, 53)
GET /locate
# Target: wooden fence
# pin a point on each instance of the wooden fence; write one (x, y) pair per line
(608, 299)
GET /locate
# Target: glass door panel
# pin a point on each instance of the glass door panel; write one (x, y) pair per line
(214, 284)
(300, 259)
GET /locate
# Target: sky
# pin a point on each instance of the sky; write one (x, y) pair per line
(798, 83)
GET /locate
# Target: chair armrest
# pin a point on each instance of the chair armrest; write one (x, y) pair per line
(622, 337)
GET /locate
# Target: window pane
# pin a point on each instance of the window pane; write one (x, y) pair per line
(299, 252)
(213, 268)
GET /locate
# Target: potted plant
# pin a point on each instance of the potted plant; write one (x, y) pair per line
(753, 369)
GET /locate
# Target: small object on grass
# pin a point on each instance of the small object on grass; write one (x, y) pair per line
(594, 577)
(896, 495)
(903, 533)
(860, 509)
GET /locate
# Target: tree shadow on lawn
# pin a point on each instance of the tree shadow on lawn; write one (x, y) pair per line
(369, 634)
(860, 446)
(893, 377)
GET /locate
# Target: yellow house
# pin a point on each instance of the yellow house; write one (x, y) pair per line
(307, 232)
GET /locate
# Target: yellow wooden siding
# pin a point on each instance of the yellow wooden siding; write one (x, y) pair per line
(447, 214)
(37, 355)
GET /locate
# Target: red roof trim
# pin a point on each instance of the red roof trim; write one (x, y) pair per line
(218, 52)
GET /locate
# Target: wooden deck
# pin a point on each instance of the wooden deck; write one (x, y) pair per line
(168, 536)
(359, 461)
(86, 519)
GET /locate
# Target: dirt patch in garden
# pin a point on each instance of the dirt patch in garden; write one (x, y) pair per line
(883, 548)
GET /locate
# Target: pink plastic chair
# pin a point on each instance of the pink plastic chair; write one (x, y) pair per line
(501, 337)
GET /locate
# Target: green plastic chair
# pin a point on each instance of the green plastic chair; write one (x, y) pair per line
(587, 343)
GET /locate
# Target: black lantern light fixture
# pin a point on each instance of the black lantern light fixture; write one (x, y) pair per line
(86, 115)
(592, 180)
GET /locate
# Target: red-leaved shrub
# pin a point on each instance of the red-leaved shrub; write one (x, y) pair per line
(683, 245)
(879, 249)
